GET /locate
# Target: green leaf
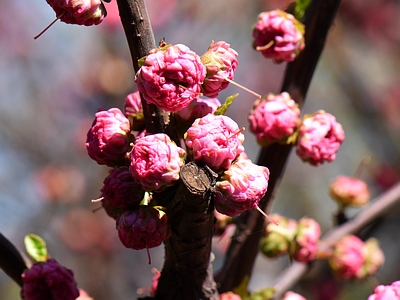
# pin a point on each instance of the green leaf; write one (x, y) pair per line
(241, 290)
(36, 247)
(300, 8)
(224, 107)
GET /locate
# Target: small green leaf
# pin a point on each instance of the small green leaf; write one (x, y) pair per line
(224, 107)
(300, 8)
(36, 247)
(241, 290)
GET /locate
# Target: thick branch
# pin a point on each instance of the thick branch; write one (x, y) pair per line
(187, 270)
(243, 250)
(139, 34)
(379, 207)
(12, 261)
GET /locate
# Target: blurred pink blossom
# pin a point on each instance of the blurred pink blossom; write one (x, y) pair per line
(305, 244)
(319, 138)
(274, 118)
(386, 292)
(278, 35)
(349, 191)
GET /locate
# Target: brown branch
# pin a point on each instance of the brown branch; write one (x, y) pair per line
(243, 250)
(379, 207)
(187, 273)
(12, 261)
(140, 37)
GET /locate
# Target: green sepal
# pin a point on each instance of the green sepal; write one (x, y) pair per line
(264, 294)
(36, 247)
(224, 107)
(241, 290)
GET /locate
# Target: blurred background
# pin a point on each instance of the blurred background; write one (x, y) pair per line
(50, 89)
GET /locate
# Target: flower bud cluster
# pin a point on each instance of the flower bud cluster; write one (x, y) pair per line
(275, 119)
(217, 141)
(298, 239)
(354, 259)
(140, 163)
(349, 191)
(386, 292)
(173, 77)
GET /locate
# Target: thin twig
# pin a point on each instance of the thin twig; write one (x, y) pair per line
(379, 207)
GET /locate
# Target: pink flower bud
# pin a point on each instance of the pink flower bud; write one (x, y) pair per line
(240, 187)
(374, 259)
(48, 280)
(229, 296)
(171, 78)
(134, 111)
(292, 296)
(80, 12)
(108, 139)
(215, 141)
(319, 138)
(305, 244)
(349, 191)
(348, 257)
(221, 63)
(277, 239)
(278, 35)
(198, 108)
(274, 119)
(386, 292)
(143, 227)
(156, 162)
(121, 190)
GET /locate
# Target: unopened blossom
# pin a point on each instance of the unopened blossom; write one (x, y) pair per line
(48, 281)
(274, 118)
(278, 35)
(386, 292)
(215, 141)
(241, 187)
(80, 12)
(277, 238)
(143, 227)
(348, 257)
(171, 78)
(374, 258)
(108, 140)
(221, 63)
(121, 190)
(134, 111)
(292, 296)
(198, 108)
(156, 162)
(349, 191)
(111, 210)
(319, 138)
(305, 244)
(229, 296)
